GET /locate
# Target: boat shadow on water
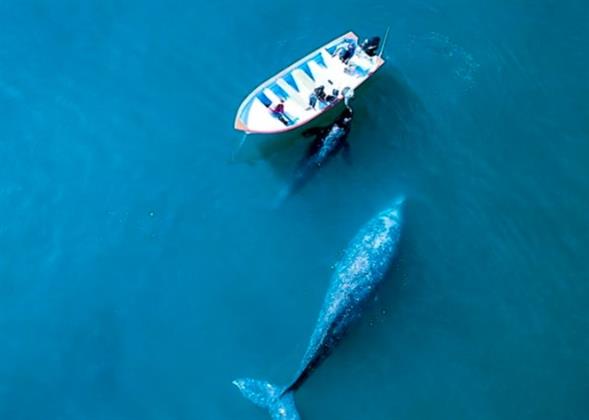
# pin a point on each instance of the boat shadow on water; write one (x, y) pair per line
(389, 120)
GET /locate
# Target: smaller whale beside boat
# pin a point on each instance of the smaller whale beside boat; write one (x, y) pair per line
(362, 269)
(328, 142)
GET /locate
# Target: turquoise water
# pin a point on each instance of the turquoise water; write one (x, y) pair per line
(141, 269)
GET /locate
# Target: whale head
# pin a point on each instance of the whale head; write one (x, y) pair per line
(345, 119)
(394, 213)
(385, 233)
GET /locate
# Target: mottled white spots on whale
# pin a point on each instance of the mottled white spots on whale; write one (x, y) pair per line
(379, 240)
(388, 221)
(359, 265)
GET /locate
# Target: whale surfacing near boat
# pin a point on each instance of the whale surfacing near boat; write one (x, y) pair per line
(362, 268)
(327, 143)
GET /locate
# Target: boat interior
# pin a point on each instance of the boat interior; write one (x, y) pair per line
(296, 87)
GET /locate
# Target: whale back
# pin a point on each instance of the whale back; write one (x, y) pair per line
(356, 276)
(331, 143)
(362, 268)
(369, 255)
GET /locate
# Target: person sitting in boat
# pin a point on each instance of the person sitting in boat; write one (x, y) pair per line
(333, 96)
(317, 94)
(320, 92)
(348, 52)
(312, 100)
(280, 113)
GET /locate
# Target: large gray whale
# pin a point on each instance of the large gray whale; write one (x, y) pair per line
(356, 276)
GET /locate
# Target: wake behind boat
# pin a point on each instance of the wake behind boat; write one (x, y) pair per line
(309, 87)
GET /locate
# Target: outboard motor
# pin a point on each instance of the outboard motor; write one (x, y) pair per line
(370, 45)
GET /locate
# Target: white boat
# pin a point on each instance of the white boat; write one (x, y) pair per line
(282, 103)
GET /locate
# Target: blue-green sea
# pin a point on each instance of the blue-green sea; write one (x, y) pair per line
(143, 265)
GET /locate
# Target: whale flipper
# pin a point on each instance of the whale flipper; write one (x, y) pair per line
(264, 394)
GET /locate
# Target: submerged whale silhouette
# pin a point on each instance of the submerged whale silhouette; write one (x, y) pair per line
(356, 276)
(328, 142)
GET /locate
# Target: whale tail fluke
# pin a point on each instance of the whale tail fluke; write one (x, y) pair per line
(280, 405)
